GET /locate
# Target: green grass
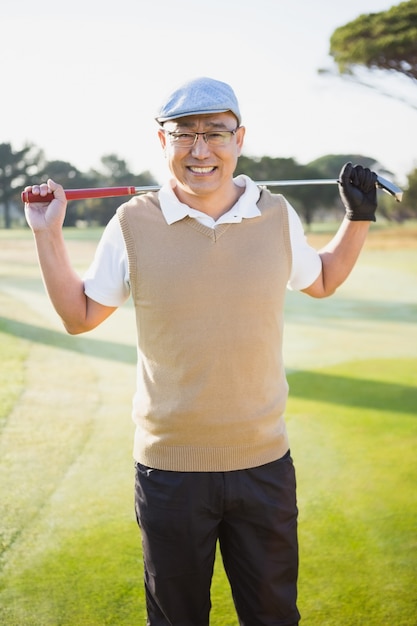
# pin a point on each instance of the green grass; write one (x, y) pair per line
(357, 492)
(70, 549)
(13, 353)
(94, 577)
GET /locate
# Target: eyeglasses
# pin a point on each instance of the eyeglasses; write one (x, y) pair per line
(216, 138)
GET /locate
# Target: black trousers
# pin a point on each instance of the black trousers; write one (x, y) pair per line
(251, 513)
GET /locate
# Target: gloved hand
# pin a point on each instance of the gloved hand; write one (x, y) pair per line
(357, 188)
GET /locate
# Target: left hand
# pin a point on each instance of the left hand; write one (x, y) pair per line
(357, 188)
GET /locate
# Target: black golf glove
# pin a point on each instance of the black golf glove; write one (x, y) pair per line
(357, 188)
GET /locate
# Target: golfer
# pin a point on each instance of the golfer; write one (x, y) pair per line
(207, 261)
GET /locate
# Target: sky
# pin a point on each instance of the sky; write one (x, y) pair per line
(83, 79)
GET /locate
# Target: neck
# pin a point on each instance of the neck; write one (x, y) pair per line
(214, 203)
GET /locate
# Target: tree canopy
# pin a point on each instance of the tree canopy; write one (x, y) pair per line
(16, 166)
(384, 41)
(307, 199)
(19, 168)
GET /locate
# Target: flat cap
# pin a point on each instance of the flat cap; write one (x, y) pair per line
(198, 97)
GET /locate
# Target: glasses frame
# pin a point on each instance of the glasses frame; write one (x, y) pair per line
(172, 133)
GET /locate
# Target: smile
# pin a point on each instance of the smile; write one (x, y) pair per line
(201, 170)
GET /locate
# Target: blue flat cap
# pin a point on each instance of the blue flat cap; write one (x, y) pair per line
(198, 97)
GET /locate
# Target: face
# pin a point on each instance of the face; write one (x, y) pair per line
(202, 169)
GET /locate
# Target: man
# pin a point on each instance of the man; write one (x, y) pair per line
(207, 261)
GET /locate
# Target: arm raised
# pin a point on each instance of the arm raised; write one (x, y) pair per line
(64, 286)
(357, 188)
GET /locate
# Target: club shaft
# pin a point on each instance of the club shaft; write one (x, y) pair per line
(382, 183)
(112, 192)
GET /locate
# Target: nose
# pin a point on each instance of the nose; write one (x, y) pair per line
(200, 149)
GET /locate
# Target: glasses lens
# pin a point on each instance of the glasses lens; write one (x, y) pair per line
(219, 138)
(184, 140)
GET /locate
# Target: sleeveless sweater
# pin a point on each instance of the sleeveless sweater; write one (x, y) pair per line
(211, 386)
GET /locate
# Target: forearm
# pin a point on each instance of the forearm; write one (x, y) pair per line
(64, 286)
(339, 257)
(341, 253)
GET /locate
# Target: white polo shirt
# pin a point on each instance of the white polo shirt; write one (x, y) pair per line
(107, 279)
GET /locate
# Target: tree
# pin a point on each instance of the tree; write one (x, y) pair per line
(115, 170)
(16, 169)
(331, 164)
(408, 208)
(70, 178)
(306, 199)
(114, 173)
(385, 41)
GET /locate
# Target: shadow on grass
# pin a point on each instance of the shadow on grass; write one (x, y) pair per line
(355, 392)
(93, 347)
(301, 310)
(309, 385)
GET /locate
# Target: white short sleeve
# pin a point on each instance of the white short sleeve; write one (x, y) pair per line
(107, 279)
(306, 261)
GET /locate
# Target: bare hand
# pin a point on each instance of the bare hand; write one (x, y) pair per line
(46, 215)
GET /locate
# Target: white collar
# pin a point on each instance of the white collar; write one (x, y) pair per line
(173, 210)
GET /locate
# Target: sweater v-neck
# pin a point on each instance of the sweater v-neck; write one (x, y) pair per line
(212, 233)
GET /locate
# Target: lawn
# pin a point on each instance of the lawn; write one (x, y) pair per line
(70, 548)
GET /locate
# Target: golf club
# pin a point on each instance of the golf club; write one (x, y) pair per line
(112, 192)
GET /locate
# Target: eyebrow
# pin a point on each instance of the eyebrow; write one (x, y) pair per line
(209, 125)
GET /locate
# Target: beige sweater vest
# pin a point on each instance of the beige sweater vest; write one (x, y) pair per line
(209, 309)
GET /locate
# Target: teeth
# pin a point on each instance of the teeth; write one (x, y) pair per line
(201, 170)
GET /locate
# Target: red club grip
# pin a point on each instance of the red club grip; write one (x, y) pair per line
(81, 194)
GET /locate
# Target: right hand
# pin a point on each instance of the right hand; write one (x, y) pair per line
(46, 215)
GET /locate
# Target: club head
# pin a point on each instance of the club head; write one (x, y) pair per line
(389, 187)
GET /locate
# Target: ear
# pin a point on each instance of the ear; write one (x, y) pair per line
(240, 136)
(162, 138)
